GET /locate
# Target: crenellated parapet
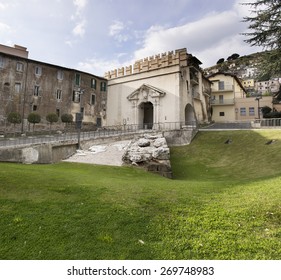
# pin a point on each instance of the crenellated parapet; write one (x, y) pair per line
(177, 57)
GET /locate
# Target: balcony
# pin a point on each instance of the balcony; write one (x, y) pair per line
(196, 95)
(222, 89)
(223, 102)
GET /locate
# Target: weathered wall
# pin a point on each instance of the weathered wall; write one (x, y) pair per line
(45, 88)
(43, 153)
(51, 153)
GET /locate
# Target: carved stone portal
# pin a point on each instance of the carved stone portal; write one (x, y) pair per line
(142, 98)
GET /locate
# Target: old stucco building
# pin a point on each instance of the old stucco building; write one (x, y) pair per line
(163, 89)
(33, 86)
(167, 89)
(229, 100)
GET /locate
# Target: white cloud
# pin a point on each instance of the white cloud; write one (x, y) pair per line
(210, 38)
(80, 5)
(116, 31)
(97, 65)
(3, 6)
(79, 29)
(116, 28)
(4, 27)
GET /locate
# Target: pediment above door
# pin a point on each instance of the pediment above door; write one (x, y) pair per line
(145, 92)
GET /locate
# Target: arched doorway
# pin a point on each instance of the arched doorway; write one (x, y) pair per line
(146, 115)
(189, 115)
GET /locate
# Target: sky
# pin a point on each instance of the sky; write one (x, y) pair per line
(96, 36)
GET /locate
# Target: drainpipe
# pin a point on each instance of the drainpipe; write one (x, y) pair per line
(24, 95)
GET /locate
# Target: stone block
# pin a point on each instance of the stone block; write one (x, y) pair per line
(161, 153)
(143, 142)
(159, 142)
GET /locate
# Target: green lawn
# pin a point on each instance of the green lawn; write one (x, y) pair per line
(223, 203)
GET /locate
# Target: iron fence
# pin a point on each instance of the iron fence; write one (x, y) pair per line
(106, 131)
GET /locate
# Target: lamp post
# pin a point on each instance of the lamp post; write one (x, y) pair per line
(258, 99)
(79, 118)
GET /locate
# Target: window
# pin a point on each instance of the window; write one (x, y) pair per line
(59, 94)
(251, 111)
(76, 96)
(103, 86)
(77, 79)
(93, 99)
(1, 62)
(243, 111)
(221, 85)
(17, 87)
(38, 70)
(93, 83)
(221, 99)
(19, 67)
(36, 90)
(221, 114)
(60, 75)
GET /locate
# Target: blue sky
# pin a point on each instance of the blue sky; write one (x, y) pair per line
(99, 35)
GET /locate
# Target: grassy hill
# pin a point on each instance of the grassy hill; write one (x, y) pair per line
(224, 203)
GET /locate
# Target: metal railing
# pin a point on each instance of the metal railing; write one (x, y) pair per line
(270, 122)
(101, 132)
(223, 102)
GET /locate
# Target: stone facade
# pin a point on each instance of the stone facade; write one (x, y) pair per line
(165, 88)
(32, 86)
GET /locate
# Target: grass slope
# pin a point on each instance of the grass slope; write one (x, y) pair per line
(224, 203)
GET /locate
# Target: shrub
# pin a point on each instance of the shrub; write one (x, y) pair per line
(34, 118)
(67, 118)
(265, 110)
(14, 118)
(52, 118)
(272, 115)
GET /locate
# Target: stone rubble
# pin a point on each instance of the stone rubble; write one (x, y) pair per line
(150, 152)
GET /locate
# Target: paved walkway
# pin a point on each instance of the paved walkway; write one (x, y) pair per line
(107, 154)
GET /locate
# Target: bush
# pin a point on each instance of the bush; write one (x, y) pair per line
(52, 118)
(14, 118)
(272, 115)
(265, 110)
(67, 118)
(34, 118)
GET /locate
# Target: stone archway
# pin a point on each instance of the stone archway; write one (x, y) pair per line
(146, 115)
(145, 102)
(190, 118)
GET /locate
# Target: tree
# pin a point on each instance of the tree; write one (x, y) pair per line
(14, 118)
(265, 110)
(34, 118)
(67, 118)
(220, 61)
(266, 32)
(235, 56)
(52, 118)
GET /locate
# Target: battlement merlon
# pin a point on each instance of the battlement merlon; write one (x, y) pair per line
(178, 57)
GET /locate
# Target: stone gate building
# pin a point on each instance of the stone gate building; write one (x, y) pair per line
(162, 89)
